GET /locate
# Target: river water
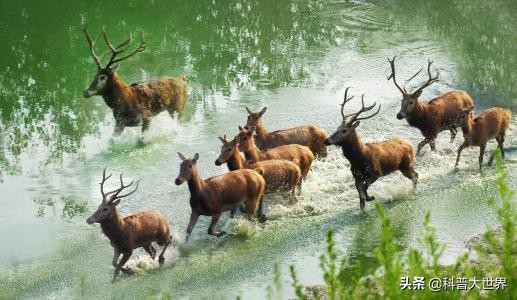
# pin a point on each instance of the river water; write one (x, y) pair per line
(296, 58)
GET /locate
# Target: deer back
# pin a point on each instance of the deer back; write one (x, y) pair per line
(232, 188)
(277, 173)
(488, 125)
(388, 156)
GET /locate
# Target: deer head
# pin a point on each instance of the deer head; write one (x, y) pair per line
(187, 168)
(254, 118)
(227, 150)
(105, 72)
(461, 119)
(245, 138)
(348, 126)
(410, 99)
(107, 208)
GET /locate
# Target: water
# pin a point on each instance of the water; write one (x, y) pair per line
(296, 57)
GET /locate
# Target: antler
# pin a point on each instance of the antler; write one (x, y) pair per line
(355, 116)
(91, 44)
(223, 139)
(115, 192)
(431, 79)
(345, 100)
(392, 75)
(122, 48)
(104, 178)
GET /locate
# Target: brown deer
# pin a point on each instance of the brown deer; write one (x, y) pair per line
(434, 116)
(306, 135)
(490, 124)
(138, 102)
(131, 232)
(370, 161)
(279, 174)
(220, 193)
(300, 155)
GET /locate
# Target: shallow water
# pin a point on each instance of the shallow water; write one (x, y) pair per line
(296, 58)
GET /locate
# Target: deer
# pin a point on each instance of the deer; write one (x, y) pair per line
(490, 124)
(213, 196)
(311, 136)
(129, 233)
(135, 104)
(432, 117)
(370, 161)
(298, 154)
(279, 174)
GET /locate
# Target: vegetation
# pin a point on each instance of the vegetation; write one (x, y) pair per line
(494, 257)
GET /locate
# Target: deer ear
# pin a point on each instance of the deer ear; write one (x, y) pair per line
(355, 124)
(417, 94)
(263, 111)
(236, 140)
(196, 157)
(252, 129)
(115, 203)
(240, 128)
(181, 156)
(223, 140)
(248, 110)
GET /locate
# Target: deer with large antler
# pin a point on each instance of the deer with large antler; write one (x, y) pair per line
(137, 103)
(279, 174)
(311, 136)
(369, 161)
(131, 232)
(213, 196)
(432, 117)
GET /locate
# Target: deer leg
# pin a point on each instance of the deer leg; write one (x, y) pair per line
(432, 145)
(215, 218)
(118, 129)
(260, 215)
(232, 212)
(161, 257)
(453, 133)
(500, 146)
(481, 154)
(151, 250)
(462, 146)
(116, 254)
(366, 185)
(125, 258)
(421, 145)
(193, 220)
(360, 190)
(412, 175)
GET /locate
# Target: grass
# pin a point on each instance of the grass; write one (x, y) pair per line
(494, 257)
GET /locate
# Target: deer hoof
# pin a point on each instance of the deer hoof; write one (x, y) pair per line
(371, 198)
(262, 219)
(161, 259)
(127, 270)
(220, 233)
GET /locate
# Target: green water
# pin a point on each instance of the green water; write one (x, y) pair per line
(296, 57)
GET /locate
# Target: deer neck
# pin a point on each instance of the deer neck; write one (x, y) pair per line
(252, 153)
(261, 130)
(195, 184)
(418, 111)
(467, 127)
(353, 149)
(116, 90)
(235, 162)
(113, 227)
